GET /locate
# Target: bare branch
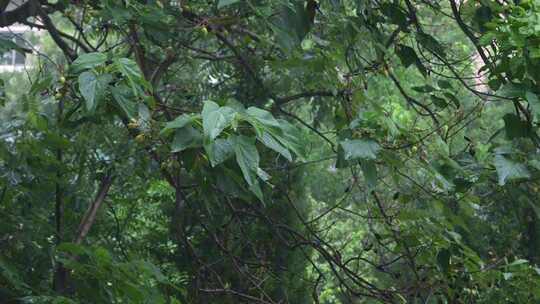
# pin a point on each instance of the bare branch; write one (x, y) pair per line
(90, 215)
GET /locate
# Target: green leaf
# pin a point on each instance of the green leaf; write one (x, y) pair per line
(11, 275)
(262, 116)
(518, 262)
(41, 84)
(443, 259)
(431, 44)
(7, 45)
(93, 88)
(482, 16)
(88, 61)
(408, 56)
(290, 137)
(179, 122)
(395, 14)
(129, 69)
(534, 102)
(123, 97)
(216, 119)
(263, 174)
(511, 90)
(444, 84)
(509, 170)
(424, 89)
(453, 98)
(209, 107)
(72, 248)
(256, 189)
(144, 113)
(515, 127)
(360, 149)
(219, 151)
(247, 157)
(223, 3)
(269, 141)
(291, 25)
(370, 172)
(185, 138)
(439, 102)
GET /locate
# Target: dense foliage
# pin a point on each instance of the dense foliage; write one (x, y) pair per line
(284, 151)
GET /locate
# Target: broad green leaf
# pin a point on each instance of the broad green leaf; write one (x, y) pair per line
(262, 116)
(37, 121)
(291, 24)
(269, 141)
(263, 174)
(219, 151)
(247, 157)
(508, 169)
(93, 88)
(88, 61)
(453, 98)
(153, 271)
(129, 69)
(444, 84)
(395, 14)
(230, 182)
(424, 89)
(515, 127)
(41, 84)
(439, 102)
(256, 189)
(430, 43)
(123, 97)
(518, 262)
(360, 149)
(144, 113)
(11, 275)
(290, 137)
(179, 122)
(215, 120)
(534, 102)
(443, 259)
(370, 172)
(72, 248)
(185, 138)
(209, 107)
(408, 56)
(223, 3)
(511, 90)
(7, 45)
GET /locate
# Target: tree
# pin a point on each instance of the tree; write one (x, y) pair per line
(273, 151)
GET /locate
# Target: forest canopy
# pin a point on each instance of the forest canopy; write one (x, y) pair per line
(270, 151)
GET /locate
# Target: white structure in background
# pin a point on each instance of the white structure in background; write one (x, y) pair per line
(13, 60)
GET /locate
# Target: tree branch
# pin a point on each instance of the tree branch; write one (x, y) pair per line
(56, 35)
(21, 13)
(283, 100)
(90, 215)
